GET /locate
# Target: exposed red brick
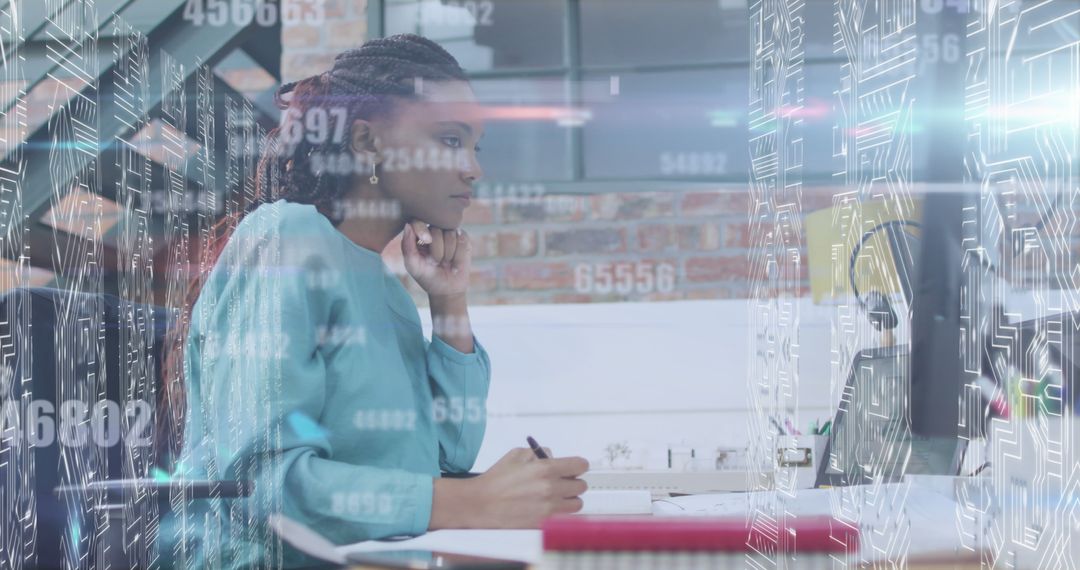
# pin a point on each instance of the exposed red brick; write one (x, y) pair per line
(524, 243)
(572, 298)
(484, 245)
(301, 37)
(344, 34)
(631, 206)
(653, 297)
(716, 203)
(590, 240)
(497, 299)
(716, 293)
(479, 212)
(766, 291)
(538, 276)
(699, 237)
(736, 234)
(547, 209)
(339, 8)
(563, 207)
(295, 66)
(646, 279)
(655, 237)
(483, 278)
(603, 206)
(734, 268)
(488, 244)
(743, 234)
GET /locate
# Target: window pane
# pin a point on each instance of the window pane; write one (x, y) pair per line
(821, 141)
(525, 137)
(673, 31)
(679, 124)
(487, 35)
(818, 39)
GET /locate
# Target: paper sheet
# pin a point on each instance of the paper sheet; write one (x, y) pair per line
(610, 502)
(931, 515)
(523, 545)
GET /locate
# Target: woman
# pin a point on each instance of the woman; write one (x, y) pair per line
(305, 368)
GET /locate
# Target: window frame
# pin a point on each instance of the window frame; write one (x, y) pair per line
(574, 71)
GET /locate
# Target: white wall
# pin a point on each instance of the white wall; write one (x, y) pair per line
(578, 377)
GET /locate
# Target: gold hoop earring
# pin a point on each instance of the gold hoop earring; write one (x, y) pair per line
(374, 179)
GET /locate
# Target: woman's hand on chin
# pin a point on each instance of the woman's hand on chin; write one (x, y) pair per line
(437, 259)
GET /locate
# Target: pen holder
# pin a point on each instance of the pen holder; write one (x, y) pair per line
(799, 456)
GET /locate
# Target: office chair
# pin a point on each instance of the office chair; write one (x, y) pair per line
(87, 481)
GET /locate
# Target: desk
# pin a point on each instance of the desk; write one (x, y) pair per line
(928, 508)
(526, 545)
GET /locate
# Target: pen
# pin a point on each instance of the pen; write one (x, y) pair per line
(980, 469)
(777, 424)
(536, 447)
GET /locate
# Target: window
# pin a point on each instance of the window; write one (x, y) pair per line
(591, 91)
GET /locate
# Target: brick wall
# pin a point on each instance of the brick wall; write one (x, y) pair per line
(549, 248)
(308, 49)
(556, 249)
(544, 249)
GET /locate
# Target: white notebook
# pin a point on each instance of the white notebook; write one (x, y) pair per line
(608, 502)
(523, 545)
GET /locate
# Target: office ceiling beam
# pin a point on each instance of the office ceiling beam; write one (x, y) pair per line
(188, 45)
(37, 66)
(111, 176)
(265, 49)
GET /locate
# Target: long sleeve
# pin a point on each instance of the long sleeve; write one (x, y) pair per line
(264, 385)
(459, 386)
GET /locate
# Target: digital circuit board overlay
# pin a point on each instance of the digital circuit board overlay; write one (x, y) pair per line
(102, 82)
(977, 97)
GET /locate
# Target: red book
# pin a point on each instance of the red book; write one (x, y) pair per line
(568, 533)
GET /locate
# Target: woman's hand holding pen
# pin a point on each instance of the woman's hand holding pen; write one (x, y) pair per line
(519, 491)
(523, 490)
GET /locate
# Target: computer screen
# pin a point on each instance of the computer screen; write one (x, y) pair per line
(871, 440)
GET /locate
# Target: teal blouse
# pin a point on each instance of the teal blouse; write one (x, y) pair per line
(307, 372)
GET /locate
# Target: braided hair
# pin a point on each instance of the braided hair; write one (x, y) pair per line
(364, 83)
